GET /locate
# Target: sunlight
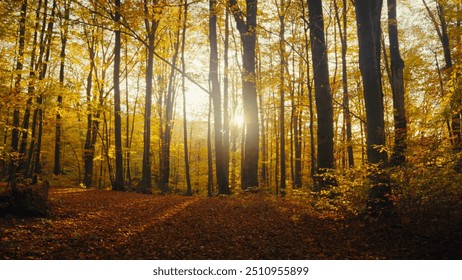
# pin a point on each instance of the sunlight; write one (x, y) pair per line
(238, 120)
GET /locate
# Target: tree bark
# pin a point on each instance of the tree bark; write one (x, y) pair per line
(226, 125)
(379, 202)
(310, 94)
(282, 66)
(167, 133)
(146, 168)
(342, 26)
(247, 30)
(119, 169)
(185, 120)
(222, 176)
(16, 93)
(397, 85)
(323, 95)
(64, 34)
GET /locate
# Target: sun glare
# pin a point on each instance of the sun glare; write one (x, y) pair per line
(238, 120)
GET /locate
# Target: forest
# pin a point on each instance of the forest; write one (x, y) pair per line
(230, 129)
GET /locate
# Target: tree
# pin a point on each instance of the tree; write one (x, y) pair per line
(151, 27)
(282, 10)
(342, 27)
(221, 171)
(397, 85)
(226, 113)
(35, 151)
(169, 104)
(119, 170)
(183, 89)
(323, 95)
(62, 55)
(16, 92)
(92, 125)
(380, 190)
(247, 30)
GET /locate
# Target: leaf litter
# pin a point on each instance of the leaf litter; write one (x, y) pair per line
(98, 224)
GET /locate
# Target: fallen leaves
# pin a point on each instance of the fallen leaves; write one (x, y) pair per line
(93, 224)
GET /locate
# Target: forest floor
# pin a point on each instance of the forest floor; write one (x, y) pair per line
(97, 224)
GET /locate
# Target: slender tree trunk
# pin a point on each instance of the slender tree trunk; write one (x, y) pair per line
(397, 85)
(89, 148)
(24, 164)
(226, 125)
(379, 193)
(183, 89)
(323, 95)
(264, 144)
(119, 168)
(222, 176)
(146, 169)
(310, 96)
(169, 105)
(16, 93)
(282, 66)
(64, 34)
(297, 129)
(342, 26)
(39, 112)
(209, 151)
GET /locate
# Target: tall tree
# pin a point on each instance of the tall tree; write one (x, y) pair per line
(222, 176)
(380, 190)
(36, 150)
(247, 30)
(16, 93)
(306, 26)
(282, 10)
(323, 95)
(151, 26)
(92, 125)
(119, 170)
(226, 125)
(183, 89)
(169, 104)
(342, 27)
(397, 85)
(64, 34)
(23, 165)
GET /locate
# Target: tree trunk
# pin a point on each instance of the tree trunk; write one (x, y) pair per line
(146, 168)
(119, 169)
(222, 176)
(310, 95)
(282, 66)
(185, 120)
(247, 30)
(379, 201)
(226, 125)
(323, 96)
(209, 151)
(342, 26)
(16, 93)
(397, 85)
(57, 163)
(89, 147)
(169, 105)
(39, 112)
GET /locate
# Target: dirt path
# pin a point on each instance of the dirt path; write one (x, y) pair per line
(92, 224)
